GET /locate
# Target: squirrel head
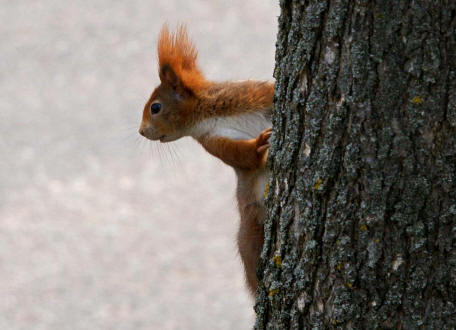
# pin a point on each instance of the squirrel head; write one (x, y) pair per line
(169, 112)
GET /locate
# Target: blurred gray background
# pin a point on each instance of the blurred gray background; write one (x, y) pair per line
(99, 228)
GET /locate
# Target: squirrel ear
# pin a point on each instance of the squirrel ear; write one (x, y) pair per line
(170, 78)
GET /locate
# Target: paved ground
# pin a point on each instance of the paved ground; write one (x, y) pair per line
(100, 229)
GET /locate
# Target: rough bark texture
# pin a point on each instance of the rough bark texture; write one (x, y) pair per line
(362, 202)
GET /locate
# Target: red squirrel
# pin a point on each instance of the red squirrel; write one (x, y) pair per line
(231, 120)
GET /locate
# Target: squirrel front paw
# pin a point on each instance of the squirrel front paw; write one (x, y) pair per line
(262, 144)
(262, 141)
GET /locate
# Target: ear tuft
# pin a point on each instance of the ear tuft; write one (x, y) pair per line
(177, 60)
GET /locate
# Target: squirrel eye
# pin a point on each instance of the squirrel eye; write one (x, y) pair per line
(155, 108)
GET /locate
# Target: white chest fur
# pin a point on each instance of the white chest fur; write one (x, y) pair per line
(239, 127)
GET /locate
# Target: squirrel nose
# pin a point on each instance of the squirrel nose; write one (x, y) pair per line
(141, 131)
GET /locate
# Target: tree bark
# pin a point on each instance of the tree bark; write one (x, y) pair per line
(361, 227)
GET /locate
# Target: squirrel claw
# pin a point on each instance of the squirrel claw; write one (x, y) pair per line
(262, 141)
(263, 148)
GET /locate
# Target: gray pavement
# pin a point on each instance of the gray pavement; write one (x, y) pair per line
(99, 228)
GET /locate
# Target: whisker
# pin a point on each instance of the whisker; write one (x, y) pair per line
(139, 142)
(158, 150)
(172, 160)
(175, 153)
(167, 154)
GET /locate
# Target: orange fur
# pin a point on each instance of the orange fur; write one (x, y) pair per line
(240, 154)
(177, 51)
(231, 98)
(229, 119)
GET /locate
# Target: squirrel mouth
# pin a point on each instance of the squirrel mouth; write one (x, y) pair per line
(162, 138)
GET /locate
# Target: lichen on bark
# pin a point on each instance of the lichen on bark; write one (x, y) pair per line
(362, 205)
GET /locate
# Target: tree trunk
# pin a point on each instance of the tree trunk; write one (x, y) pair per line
(361, 228)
